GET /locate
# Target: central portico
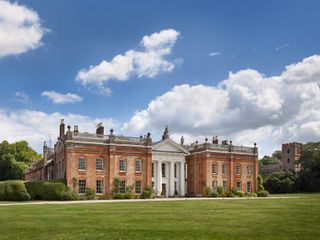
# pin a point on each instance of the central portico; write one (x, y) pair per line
(168, 167)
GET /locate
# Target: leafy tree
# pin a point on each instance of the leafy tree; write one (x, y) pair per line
(15, 158)
(309, 176)
(281, 182)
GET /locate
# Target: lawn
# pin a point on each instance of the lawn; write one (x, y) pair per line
(297, 218)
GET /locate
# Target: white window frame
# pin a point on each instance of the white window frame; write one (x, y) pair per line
(214, 168)
(82, 187)
(138, 166)
(140, 188)
(122, 187)
(84, 164)
(248, 170)
(122, 167)
(238, 169)
(99, 159)
(101, 186)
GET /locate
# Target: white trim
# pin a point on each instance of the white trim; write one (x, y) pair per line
(107, 144)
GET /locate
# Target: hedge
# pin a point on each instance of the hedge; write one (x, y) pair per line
(50, 190)
(13, 190)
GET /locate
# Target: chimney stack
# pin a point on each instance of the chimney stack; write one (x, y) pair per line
(100, 129)
(62, 128)
(75, 129)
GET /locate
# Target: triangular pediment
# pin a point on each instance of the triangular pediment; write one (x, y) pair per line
(168, 145)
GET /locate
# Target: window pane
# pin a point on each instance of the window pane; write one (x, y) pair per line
(225, 187)
(82, 186)
(122, 186)
(82, 164)
(163, 166)
(214, 168)
(99, 186)
(99, 164)
(122, 165)
(248, 186)
(138, 166)
(138, 187)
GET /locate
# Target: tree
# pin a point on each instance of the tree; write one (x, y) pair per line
(15, 158)
(281, 182)
(309, 176)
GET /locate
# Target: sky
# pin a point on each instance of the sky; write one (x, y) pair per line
(246, 71)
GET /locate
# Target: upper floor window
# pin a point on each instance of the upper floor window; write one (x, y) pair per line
(224, 168)
(82, 186)
(238, 170)
(163, 169)
(82, 163)
(122, 165)
(138, 166)
(122, 186)
(288, 160)
(288, 150)
(214, 168)
(249, 170)
(99, 164)
(214, 185)
(138, 187)
(99, 187)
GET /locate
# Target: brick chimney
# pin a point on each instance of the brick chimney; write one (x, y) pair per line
(100, 129)
(62, 128)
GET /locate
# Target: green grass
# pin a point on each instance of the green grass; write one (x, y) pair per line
(297, 218)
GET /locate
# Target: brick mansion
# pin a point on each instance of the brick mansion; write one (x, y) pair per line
(94, 160)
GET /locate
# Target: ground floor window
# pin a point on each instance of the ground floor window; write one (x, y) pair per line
(99, 187)
(225, 186)
(152, 184)
(214, 185)
(175, 187)
(122, 186)
(239, 186)
(138, 187)
(248, 186)
(82, 186)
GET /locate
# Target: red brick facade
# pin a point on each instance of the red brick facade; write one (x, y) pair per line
(216, 165)
(291, 153)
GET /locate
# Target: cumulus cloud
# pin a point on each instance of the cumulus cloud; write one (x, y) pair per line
(20, 29)
(35, 126)
(247, 107)
(60, 98)
(148, 62)
(213, 54)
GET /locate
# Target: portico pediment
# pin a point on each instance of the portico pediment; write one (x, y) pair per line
(170, 146)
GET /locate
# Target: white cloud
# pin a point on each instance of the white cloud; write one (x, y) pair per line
(282, 46)
(213, 54)
(60, 98)
(146, 63)
(22, 97)
(20, 29)
(247, 107)
(35, 126)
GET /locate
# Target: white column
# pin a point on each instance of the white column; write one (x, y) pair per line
(171, 179)
(182, 179)
(159, 179)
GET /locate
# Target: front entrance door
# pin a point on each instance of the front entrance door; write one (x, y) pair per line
(164, 190)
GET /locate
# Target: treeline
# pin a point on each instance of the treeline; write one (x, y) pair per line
(15, 158)
(306, 180)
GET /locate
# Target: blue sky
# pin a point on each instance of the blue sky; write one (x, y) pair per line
(265, 36)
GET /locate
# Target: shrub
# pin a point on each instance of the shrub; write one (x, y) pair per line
(239, 194)
(280, 182)
(147, 193)
(69, 195)
(128, 195)
(213, 194)
(118, 196)
(50, 190)
(260, 183)
(207, 191)
(253, 194)
(220, 191)
(228, 194)
(247, 194)
(90, 194)
(13, 190)
(263, 194)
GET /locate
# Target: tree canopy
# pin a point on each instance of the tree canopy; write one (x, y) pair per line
(15, 158)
